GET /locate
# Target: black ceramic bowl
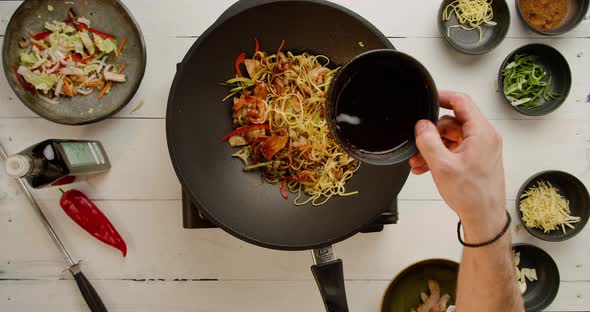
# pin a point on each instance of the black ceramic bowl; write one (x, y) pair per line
(541, 293)
(577, 13)
(468, 41)
(109, 16)
(405, 70)
(573, 190)
(403, 293)
(556, 67)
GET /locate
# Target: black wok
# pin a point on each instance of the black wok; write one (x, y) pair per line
(239, 202)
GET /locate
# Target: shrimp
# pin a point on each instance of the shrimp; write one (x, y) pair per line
(253, 109)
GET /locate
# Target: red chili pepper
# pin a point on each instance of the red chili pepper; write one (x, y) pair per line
(306, 155)
(283, 188)
(257, 45)
(243, 130)
(67, 21)
(85, 213)
(239, 60)
(41, 35)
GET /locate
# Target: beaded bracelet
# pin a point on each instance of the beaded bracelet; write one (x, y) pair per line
(493, 240)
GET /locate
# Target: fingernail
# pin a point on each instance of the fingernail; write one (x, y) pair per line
(421, 126)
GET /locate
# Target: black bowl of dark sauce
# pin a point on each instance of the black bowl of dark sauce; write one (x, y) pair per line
(375, 101)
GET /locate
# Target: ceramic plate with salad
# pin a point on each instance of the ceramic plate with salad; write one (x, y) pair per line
(74, 62)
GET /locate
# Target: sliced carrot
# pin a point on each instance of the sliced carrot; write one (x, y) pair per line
(95, 83)
(122, 68)
(67, 88)
(104, 90)
(123, 42)
(305, 147)
(110, 83)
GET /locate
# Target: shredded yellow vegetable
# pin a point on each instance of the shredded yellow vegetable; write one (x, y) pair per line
(544, 208)
(471, 14)
(330, 167)
(294, 106)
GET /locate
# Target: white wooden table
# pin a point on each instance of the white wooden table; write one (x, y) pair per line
(169, 268)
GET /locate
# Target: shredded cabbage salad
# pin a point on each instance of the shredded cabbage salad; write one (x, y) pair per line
(69, 58)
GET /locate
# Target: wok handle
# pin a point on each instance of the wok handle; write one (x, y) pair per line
(330, 279)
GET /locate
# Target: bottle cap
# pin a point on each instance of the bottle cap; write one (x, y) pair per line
(18, 166)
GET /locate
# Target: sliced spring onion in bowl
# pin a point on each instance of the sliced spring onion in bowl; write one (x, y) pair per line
(525, 81)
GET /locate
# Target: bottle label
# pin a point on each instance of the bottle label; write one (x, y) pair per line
(83, 154)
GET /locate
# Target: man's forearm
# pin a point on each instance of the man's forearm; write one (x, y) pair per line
(487, 279)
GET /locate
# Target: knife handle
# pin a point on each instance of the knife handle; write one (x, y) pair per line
(89, 293)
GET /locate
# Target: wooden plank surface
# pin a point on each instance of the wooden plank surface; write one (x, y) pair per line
(141, 194)
(160, 248)
(142, 168)
(477, 76)
(393, 18)
(213, 296)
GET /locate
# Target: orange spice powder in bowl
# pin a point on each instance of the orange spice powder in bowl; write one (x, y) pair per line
(544, 15)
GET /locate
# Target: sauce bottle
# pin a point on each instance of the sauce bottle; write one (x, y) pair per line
(58, 162)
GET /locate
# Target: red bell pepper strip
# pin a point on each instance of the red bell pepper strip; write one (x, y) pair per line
(38, 46)
(82, 26)
(76, 58)
(104, 35)
(244, 130)
(67, 21)
(100, 33)
(87, 215)
(22, 82)
(257, 45)
(283, 188)
(41, 35)
(85, 60)
(239, 60)
(257, 141)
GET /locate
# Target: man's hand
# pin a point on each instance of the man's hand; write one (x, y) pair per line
(464, 154)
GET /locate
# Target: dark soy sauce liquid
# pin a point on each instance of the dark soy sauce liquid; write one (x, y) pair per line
(377, 110)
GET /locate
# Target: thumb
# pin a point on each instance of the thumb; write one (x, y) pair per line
(430, 143)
